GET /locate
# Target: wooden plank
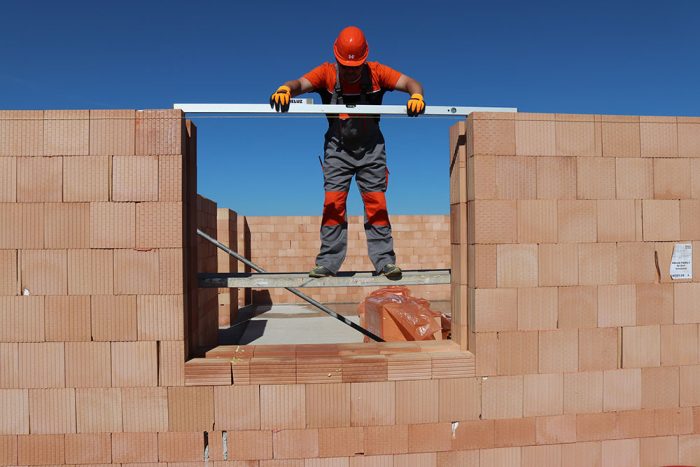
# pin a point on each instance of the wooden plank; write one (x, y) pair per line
(302, 279)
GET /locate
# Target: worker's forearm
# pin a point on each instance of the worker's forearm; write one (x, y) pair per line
(294, 86)
(414, 87)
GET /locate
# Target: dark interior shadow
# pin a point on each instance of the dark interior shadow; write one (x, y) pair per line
(254, 330)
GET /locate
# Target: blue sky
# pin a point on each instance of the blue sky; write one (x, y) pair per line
(627, 57)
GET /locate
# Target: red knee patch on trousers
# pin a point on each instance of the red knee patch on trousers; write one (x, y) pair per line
(334, 207)
(375, 208)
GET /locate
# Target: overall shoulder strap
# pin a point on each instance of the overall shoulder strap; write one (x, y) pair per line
(337, 97)
(365, 83)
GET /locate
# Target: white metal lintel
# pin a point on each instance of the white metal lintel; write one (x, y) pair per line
(322, 109)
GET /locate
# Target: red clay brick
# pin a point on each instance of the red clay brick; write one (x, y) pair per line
(39, 179)
(86, 178)
(373, 403)
(112, 225)
(66, 132)
(41, 365)
(14, 405)
(52, 411)
(90, 272)
(40, 449)
(67, 318)
(135, 178)
(136, 272)
(134, 364)
(88, 448)
(88, 364)
(295, 444)
(112, 132)
(114, 318)
(98, 410)
(191, 408)
(134, 447)
(44, 272)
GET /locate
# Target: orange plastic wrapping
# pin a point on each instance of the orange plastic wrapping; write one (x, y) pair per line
(394, 315)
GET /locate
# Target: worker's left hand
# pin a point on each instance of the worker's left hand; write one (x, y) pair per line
(415, 105)
(280, 99)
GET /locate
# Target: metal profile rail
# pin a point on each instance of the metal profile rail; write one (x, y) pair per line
(324, 109)
(244, 280)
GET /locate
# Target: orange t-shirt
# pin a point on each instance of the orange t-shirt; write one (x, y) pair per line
(322, 78)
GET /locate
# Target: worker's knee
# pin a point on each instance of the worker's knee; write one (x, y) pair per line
(334, 207)
(375, 208)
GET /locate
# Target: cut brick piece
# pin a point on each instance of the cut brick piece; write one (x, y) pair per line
(595, 178)
(39, 179)
(136, 272)
(641, 346)
(112, 132)
(88, 448)
(52, 411)
(88, 364)
(537, 221)
(597, 349)
(112, 225)
(66, 132)
(134, 364)
(537, 308)
(690, 221)
(160, 317)
(41, 450)
(22, 132)
(135, 178)
(622, 390)
(145, 409)
(191, 408)
(481, 187)
(114, 318)
(482, 265)
(86, 178)
(22, 318)
(516, 177)
(14, 405)
(67, 225)
(90, 272)
(327, 405)
(578, 307)
(688, 139)
(502, 397)
(44, 272)
(171, 363)
(556, 178)
(373, 403)
(634, 178)
(98, 410)
(134, 447)
(41, 365)
(617, 305)
(661, 220)
(171, 266)
(67, 318)
(672, 178)
(517, 265)
(690, 385)
(597, 263)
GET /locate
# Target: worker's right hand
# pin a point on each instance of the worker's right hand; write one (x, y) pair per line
(280, 99)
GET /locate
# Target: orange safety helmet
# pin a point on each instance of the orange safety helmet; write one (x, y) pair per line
(350, 47)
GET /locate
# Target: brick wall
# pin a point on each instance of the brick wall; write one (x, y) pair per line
(565, 228)
(227, 233)
(291, 243)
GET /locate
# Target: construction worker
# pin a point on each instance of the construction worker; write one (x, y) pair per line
(354, 145)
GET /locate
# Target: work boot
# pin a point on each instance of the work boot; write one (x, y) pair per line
(391, 271)
(320, 271)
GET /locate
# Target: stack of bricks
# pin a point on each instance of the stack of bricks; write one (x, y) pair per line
(227, 233)
(587, 348)
(291, 243)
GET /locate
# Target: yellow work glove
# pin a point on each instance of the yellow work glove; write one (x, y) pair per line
(415, 105)
(280, 99)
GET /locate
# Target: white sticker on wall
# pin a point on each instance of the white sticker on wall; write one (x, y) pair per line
(682, 261)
